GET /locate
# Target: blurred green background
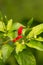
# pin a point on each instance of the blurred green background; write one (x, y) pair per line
(21, 9)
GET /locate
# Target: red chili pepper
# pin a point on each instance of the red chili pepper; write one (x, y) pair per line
(17, 38)
(20, 30)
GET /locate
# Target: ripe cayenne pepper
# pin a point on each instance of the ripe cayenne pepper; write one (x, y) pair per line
(19, 34)
(20, 30)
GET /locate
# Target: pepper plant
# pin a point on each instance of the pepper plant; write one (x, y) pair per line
(17, 42)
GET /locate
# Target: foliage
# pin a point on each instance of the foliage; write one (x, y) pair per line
(20, 45)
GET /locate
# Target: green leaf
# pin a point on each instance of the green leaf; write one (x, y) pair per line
(1, 54)
(1, 58)
(25, 58)
(12, 61)
(35, 44)
(19, 47)
(1, 42)
(24, 31)
(6, 51)
(16, 26)
(35, 31)
(1, 34)
(9, 25)
(5, 20)
(12, 35)
(30, 22)
(39, 39)
(2, 26)
(1, 62)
